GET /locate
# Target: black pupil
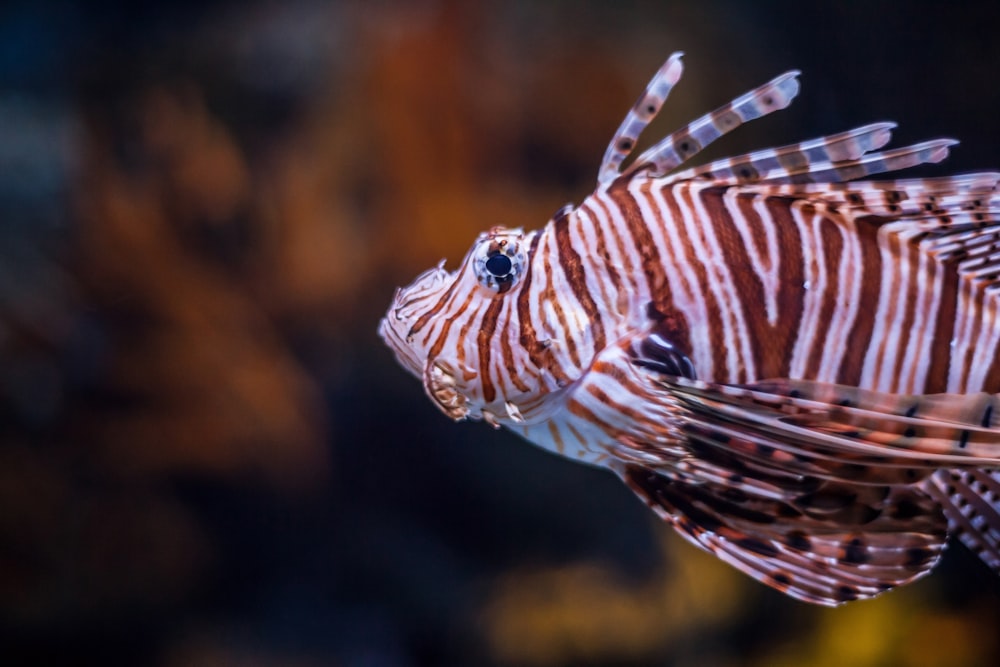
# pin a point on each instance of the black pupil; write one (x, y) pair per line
(499, 265)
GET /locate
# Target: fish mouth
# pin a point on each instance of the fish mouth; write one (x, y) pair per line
(442, 388)
(394, 333)
(408, 305)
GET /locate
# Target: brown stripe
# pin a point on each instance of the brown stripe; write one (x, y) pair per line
(715, 311)
(556, 437)
(991, 381)
(944, 327)
(538, 353)
(746, 281)
(670, 321)
(860, 337)
(613, 230)
(484, 342)
(508, 354)
(790, 299)
(977, 307)
(772, 345)
(637, 226)
(584, 413)
(888, 310)
(605, 254)
(758, 228)
(553, 297)
(528, 338)
(628, 414)
(572, 266)
(438, 345)
(832, 246)
(576, 433)
(425, 318)
(470, 319)
(916, 291)
(607, 267)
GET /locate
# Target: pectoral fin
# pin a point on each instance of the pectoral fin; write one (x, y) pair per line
(799, 417)
(811, 560)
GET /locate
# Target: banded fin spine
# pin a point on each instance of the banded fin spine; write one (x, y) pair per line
(687, 142)
(915, 192)
(642, 113)
(971, 502)
(928, 152)
(682, 145)
(805, 171)
(749, 168)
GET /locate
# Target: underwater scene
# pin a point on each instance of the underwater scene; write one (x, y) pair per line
(210, 455)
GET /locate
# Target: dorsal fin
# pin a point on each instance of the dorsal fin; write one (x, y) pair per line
(749, 168)
(866, 165)
(642, 113)
(681, 145)
(895, 159)
(910, 195)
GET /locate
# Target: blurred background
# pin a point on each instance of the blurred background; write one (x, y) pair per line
(206, 455)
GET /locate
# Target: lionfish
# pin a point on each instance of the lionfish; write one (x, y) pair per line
(795, 367)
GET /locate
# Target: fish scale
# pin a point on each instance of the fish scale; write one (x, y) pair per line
(794, 366)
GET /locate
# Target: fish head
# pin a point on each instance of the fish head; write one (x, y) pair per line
(445, 328)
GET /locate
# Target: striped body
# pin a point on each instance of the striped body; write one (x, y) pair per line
(768, 286)
(786, 365)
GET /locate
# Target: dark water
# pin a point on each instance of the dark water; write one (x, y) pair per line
(206, 456)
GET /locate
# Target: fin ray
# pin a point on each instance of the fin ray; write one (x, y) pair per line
(639, 116)
(682, 145)
(798, 557)
(971, 502)
(749, 168)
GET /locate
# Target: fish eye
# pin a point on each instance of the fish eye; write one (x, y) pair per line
(499, 265)
(498, 260)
